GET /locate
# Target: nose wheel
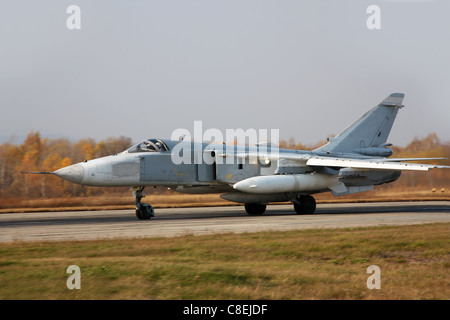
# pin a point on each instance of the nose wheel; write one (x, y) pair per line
(144, 211)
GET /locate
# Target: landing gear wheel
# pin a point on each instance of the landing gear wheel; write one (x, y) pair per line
(144, 211)
(305, 205)
(138, 214)
(255, 209)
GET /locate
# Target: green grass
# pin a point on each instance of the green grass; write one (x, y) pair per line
(305, 264)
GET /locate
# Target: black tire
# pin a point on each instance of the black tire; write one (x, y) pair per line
(255, 209)
(307, 205)
(145, 212)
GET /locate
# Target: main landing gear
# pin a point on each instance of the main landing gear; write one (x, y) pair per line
(302, 205)
(255, 209)
(144, 211)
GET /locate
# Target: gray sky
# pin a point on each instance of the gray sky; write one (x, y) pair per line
(145, 68)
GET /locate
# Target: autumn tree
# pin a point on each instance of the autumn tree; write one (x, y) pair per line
(39, 154)
(10, 158)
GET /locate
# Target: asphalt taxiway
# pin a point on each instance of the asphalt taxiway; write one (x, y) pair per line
(90, 225)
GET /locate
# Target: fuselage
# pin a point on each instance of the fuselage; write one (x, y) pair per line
(177, 164)
(192, 167)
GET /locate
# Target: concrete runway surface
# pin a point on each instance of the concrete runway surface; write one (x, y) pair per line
(90, 225)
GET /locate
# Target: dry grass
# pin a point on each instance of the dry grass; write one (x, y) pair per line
(305, 264)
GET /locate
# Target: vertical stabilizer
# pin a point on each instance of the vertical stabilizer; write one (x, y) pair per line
(371, 130)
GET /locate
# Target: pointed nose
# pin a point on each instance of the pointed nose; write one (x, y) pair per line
(73, 173)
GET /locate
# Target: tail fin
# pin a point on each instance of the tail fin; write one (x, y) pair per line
(371, 130)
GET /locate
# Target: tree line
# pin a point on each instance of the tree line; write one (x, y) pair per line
(43, 154)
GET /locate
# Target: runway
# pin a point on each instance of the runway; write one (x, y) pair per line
(91, 225)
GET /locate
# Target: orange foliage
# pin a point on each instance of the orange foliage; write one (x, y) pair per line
(37, 154)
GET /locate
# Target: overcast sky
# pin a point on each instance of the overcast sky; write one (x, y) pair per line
(145, 68)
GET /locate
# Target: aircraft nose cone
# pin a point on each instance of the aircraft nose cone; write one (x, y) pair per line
(73, 173)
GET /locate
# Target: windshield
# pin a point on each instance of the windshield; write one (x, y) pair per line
(150, 145)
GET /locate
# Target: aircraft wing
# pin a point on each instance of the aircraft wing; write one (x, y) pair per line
(373, 164)
(406, 159)
(272, 156)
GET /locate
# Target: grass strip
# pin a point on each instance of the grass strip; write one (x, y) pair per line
(304, 264)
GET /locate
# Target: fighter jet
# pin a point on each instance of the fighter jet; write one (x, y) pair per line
(354, 161)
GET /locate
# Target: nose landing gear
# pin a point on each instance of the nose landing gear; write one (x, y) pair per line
(144, 211)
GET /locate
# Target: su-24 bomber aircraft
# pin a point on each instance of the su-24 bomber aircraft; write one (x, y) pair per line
(354, 161)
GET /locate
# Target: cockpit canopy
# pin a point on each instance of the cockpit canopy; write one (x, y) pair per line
(150, 145)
